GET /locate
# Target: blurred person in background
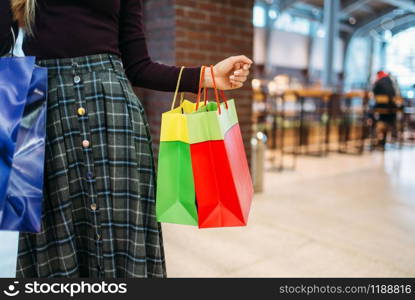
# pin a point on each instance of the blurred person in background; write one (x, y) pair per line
(385, 112)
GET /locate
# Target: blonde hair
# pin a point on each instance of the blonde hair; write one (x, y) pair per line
(24, 13)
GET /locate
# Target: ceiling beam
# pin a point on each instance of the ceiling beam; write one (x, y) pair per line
(403, 27)
(404, 19)
(402, 22)
(346, 28)
(305, 4)
(408, 5)
(285, 4)
(387, 14)
(305, 13)
(352, 6)
(314, 13)
(399, 21)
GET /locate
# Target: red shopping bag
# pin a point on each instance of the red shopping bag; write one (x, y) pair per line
(223, 183)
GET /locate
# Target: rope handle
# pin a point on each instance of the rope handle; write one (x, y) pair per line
(11, 51)
(205, 90)
(205, 96)
(216, 90)
(201, 80)
(177, 89)
(218, 94)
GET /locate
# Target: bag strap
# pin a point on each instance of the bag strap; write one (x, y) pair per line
(11, 51)
(14, 39)
(218, 94)
(215, 88)
(205, 95)
(177, 88)
(201, 80)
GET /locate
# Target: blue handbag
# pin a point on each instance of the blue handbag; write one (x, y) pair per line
(23, 100)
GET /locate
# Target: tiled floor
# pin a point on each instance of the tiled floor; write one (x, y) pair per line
(338, 216)
(343, 215)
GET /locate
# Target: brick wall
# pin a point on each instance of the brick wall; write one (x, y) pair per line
(195, 32)
(160, 23)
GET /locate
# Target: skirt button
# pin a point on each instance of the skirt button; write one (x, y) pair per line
(77, 79)
(86, 144)
(81, 111)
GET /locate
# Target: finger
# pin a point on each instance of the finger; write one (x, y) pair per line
(241, 79)
(241, 59)
(237, 85)
(241, 73)
(238, 66)
(246, 66)
(238, 78)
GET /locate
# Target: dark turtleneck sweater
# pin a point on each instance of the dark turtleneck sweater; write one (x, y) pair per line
(73, 28)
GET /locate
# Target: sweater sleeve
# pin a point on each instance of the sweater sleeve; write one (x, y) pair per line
(6, 23)
(139, 67)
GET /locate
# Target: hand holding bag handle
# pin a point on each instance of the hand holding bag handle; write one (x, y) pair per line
(205, 90)
(218, 94)
(221, 93)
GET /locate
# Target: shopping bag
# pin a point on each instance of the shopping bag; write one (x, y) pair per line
(23, 91)
(175, 196)
(223, 183)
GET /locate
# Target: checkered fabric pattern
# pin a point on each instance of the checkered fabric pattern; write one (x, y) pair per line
(98, 216)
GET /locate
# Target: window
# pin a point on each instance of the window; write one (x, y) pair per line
(284, 21)
(357, 64)
(400, 58)
(287, 22)
(259, 19)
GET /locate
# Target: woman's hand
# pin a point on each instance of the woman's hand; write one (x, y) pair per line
(230, 73)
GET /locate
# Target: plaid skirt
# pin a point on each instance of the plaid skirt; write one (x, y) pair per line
(98, 216)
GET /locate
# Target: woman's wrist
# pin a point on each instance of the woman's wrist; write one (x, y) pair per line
(208, 82)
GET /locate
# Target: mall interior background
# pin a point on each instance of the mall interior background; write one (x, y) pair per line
(329, 201)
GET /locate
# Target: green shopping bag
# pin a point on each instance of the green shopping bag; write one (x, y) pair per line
(176, 200)
(175, 187)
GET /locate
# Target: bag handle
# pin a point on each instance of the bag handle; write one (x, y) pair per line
(199, 93)
(205, 96)
(218, 94)
(205, 91)
(177, 89)
(13, 35)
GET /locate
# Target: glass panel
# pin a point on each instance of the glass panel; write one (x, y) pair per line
(400, 60)
(357, 64)
(259, 18)
(292, 23)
